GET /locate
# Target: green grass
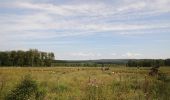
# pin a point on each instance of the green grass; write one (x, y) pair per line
(61, 83)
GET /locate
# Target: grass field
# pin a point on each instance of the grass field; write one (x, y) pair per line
(77, 83)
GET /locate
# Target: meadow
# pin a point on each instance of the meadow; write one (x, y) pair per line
(85, 83)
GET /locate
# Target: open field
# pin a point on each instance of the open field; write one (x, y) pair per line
(80, 83)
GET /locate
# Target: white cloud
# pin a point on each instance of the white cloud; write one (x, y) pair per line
(132, 6)
(23, 20)
(78, 19)
(132, 55)
(81, 54)
(43, 25)
(113, 54)
(85, 54)
(99, 9)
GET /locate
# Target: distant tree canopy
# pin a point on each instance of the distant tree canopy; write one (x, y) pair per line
(32, 57)
(148, 63)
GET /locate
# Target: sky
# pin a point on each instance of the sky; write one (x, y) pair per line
(87, 29)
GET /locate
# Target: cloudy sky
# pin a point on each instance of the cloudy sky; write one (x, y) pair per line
(87, 29)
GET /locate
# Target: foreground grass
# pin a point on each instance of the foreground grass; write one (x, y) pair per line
(118, 83)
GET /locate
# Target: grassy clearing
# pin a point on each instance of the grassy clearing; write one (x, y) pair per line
(118, 83)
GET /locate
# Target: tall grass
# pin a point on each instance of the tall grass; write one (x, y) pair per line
(83, 84)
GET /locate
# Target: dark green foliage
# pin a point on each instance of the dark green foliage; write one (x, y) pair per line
(113, 62)
(132, 63)
(32, 57)
(41, 93)
(167, 62)
(148, 63)
(23, 91)
(27, 89)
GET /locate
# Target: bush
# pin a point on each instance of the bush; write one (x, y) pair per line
(27, 89)
(41, 93)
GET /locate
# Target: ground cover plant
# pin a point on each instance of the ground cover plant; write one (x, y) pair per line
(62, 83)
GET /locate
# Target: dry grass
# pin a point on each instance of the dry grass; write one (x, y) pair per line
(72, 83)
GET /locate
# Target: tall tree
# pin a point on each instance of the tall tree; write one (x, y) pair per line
(33, 57)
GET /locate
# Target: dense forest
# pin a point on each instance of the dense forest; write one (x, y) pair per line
(32, 57)
(113, 63)
(148, 63)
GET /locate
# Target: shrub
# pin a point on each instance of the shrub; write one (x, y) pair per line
(27, 89)
(41, 93)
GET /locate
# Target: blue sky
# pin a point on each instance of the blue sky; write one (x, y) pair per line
(87, 29)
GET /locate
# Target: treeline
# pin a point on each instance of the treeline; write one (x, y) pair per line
(66, 64)
(32, 57)
(148, 63)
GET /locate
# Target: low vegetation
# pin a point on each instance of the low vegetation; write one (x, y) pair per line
(26, 89)
(73, 83)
